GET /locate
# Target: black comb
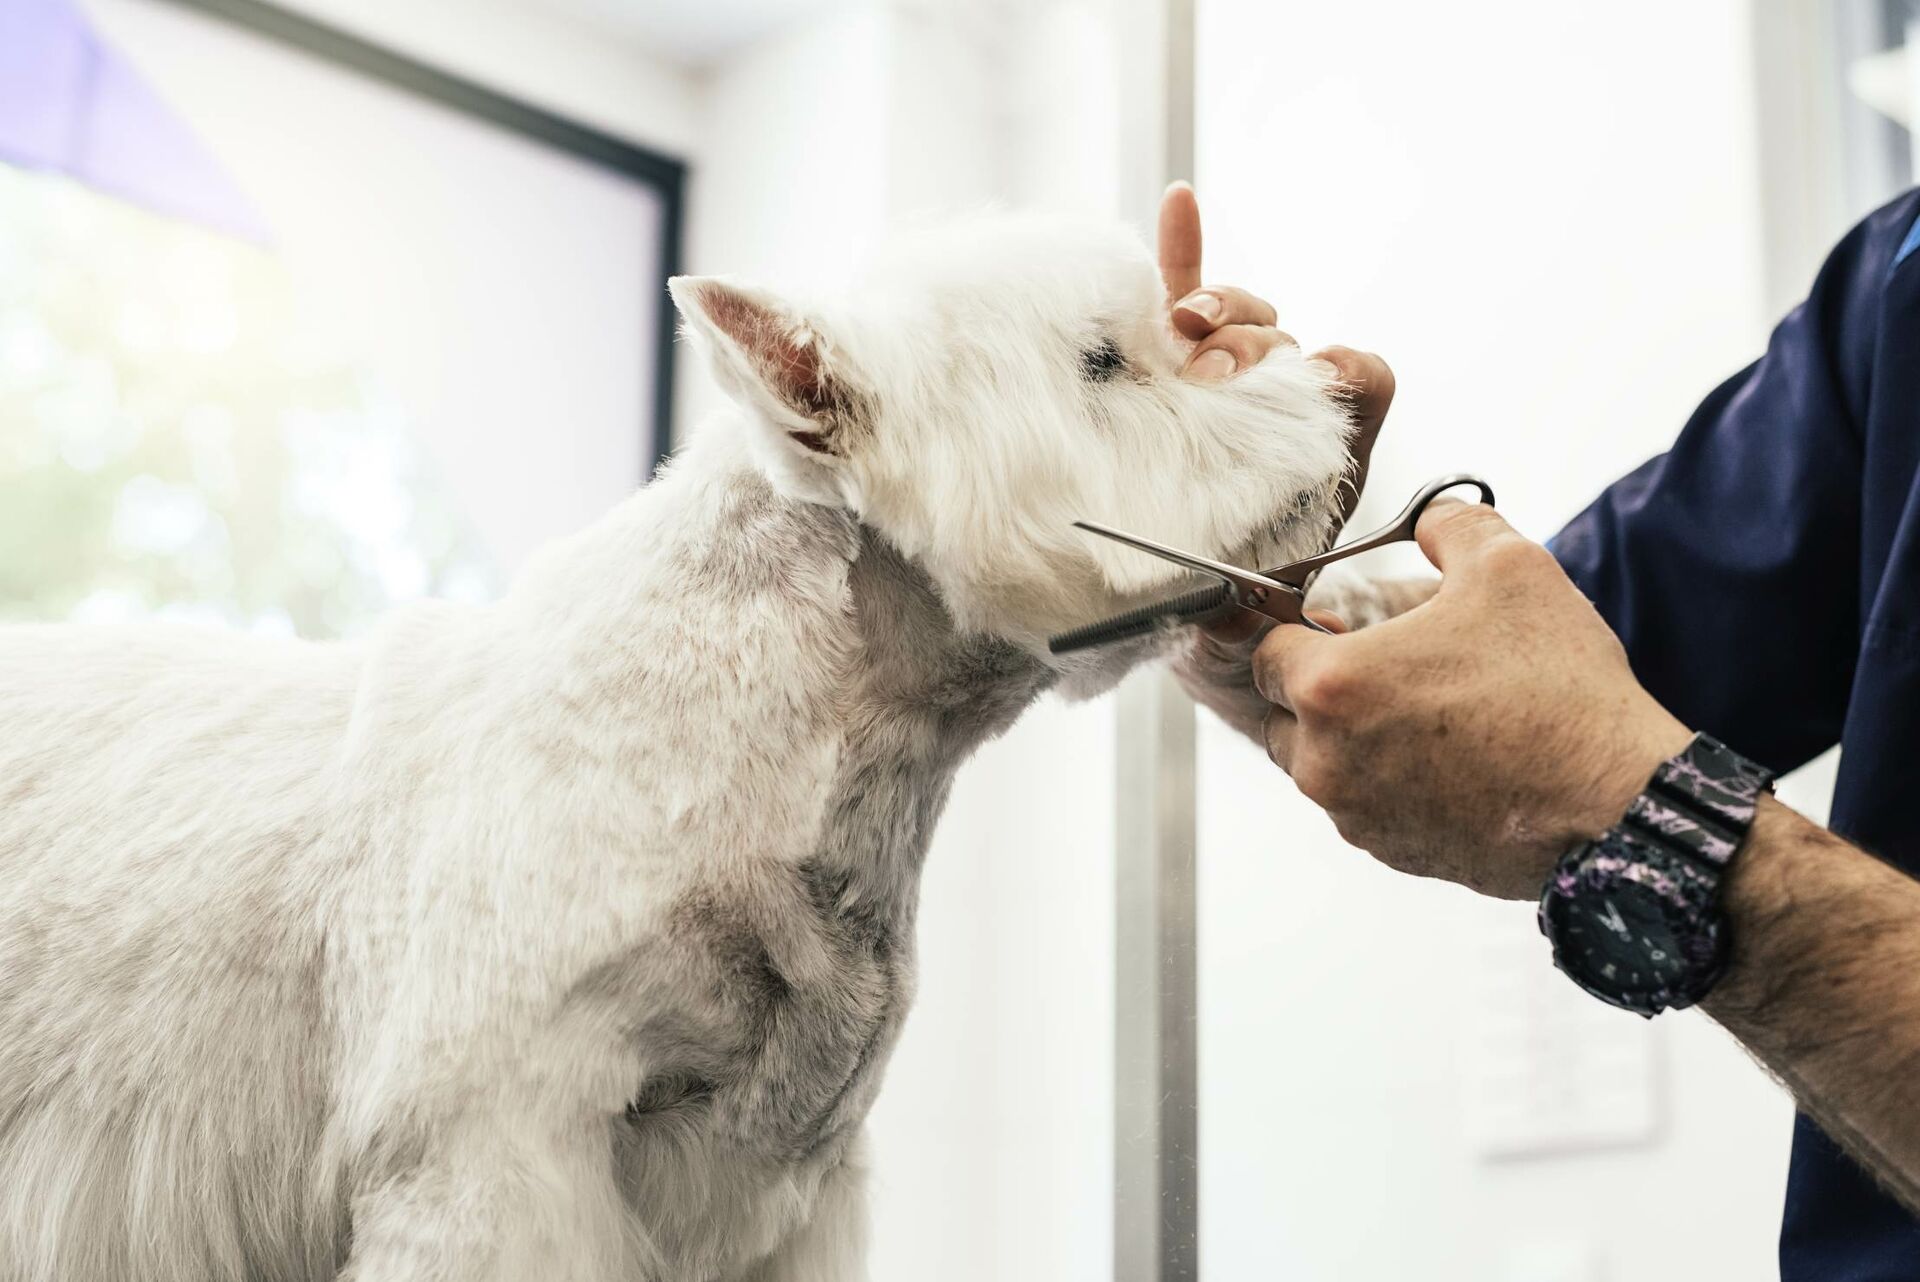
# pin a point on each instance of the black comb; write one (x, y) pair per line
(1184, 608)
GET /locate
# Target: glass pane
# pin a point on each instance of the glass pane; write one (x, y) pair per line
(173, 440)
(259, 363)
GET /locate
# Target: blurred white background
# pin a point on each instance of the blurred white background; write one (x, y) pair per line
(1562, 224)
(1552, 223)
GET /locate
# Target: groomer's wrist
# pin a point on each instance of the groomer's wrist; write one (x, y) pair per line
(1786, 895)
(1753, 894)
(1620, 768)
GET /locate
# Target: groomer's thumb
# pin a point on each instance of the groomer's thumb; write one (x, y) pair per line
(1455, 534)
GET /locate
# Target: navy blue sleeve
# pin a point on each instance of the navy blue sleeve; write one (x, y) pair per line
(1730, 566)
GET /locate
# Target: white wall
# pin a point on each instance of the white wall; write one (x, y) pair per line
(524, 50)
(1546, 216)
(790, 180)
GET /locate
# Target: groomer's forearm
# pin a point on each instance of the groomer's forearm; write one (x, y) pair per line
(1824, 986)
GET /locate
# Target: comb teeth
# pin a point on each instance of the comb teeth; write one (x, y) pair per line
(1134, 623)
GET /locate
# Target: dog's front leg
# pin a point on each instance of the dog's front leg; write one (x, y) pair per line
(498, 1197)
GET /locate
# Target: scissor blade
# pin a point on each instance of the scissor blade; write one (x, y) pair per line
(1233, 574)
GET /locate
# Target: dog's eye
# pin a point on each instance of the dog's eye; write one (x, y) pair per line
(1102, 361)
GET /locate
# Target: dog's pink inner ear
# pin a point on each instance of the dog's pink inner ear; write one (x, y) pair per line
(788, 358)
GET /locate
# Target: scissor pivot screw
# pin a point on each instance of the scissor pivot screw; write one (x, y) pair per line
(1256, 596)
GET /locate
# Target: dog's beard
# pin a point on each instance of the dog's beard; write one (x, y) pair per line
(1305, 523)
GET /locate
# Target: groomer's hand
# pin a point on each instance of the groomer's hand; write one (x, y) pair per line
(1233, 330)
(1475, 737)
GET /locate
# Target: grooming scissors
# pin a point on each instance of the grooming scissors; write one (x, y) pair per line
(1278, 594)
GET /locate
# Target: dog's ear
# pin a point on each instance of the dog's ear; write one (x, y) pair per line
(778, 361)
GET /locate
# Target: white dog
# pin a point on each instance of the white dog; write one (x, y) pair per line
(566, 938)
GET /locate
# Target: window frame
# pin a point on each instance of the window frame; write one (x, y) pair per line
(665, 175)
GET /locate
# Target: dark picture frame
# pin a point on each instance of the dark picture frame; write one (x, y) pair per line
(666, 175)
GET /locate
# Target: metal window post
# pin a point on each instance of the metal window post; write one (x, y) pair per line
(1156, 1155)
(1156, 1203)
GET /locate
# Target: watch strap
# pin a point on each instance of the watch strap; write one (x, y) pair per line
(1701, 801)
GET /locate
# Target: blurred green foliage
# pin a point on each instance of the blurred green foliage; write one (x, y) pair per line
(173, 441)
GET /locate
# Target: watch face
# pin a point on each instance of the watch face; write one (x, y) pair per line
(1634, 926)
(1620, 937)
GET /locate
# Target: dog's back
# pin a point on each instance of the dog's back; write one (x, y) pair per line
(159, 794)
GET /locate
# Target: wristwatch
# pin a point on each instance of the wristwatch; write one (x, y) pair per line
(1635, 915)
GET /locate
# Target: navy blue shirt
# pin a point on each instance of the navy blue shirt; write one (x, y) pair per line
(1764, 574)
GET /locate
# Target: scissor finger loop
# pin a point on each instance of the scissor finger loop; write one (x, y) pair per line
(1399, 530)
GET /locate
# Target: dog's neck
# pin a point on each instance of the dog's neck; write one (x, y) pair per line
(915, 667)
(923, 697)
(813, 641)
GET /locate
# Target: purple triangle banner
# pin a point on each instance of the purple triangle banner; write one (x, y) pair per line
(72, 104)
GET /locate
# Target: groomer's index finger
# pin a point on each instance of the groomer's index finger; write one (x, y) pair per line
(1179, 241)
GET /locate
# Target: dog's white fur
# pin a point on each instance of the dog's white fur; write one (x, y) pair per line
(565, 938)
